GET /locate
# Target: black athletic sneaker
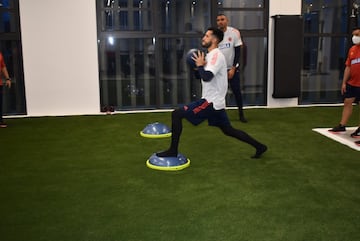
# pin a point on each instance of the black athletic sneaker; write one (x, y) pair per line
(243, 119)
(356, 134)
(357, 143)
(338, 128)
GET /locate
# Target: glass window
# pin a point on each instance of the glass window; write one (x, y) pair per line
(8, 23)
(123, 3)
(129, 66)
(245, 20)
(8, 17)
(323, 69)
(13, 98)
(326, 41)
(7, 4)
(10, 46)
(143, 45)
(241, 3)
(108, 3)
(325, 16)
(253, 64)
(249, 16)
(177, 82)
(108, 22)
(139, 20)
(127, 75)
(185, 16)
(135, 18)
(126, 3)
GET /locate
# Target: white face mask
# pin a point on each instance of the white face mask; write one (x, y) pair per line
(356, 39)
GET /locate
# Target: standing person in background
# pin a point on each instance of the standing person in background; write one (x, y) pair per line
(231, 48)
(350, 87)
(3, 73)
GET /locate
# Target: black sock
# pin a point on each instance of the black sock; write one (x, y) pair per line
(167, 153)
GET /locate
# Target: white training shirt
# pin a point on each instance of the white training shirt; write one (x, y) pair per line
(214, 91)
(232, 39)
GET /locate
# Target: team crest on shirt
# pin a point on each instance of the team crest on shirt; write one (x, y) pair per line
(230, 39)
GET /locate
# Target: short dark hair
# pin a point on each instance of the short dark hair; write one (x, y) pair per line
(356, 28)
(217, 33)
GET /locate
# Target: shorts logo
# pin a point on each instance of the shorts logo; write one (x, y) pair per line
(201, 107)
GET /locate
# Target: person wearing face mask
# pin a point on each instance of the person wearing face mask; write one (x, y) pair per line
(350, 87)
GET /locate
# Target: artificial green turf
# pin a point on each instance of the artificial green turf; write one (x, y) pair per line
(84, 178)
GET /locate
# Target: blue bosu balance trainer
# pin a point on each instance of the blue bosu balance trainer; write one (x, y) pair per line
(159, 130)
(156, 130)
(168, 163)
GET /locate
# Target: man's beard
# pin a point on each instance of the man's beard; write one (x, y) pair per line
(206, 45)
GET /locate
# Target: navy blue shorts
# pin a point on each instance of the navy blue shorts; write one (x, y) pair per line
(352, 92)
(201, 110)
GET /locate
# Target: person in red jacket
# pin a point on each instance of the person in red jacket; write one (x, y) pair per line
(3, 74)
(350, 87)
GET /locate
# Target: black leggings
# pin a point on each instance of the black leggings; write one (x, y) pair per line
(176, 125)
(236, 89)
(240, 135)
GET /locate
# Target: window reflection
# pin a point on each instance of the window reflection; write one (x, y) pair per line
(177, 82)
(127, 73)
(123, 3)
(14, 98)
(252, 69)
(10, 46)
(246, 20)
(325, 16)
(6, 4)
(108, 3)
(108, 20)
(137, 18)
(194, 15)
(326, 42)
(323, 66)
(146, 68)
(241, 3)
(8, 23)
